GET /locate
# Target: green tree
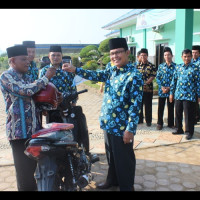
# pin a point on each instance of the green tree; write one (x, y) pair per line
(75, 61)
(105, 56)
(91, 65)
(89, 52)
(104, 46)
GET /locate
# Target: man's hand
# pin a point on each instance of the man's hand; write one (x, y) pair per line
(128, 137)
(68, 67)
(60, 98)
(171, 98)
(51, 71)
(165, 89)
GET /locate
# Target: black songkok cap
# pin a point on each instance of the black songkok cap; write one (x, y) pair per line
(18, 50)
(167, 49)
(196, 47)
(55, 48)
(116, 43)
(29, 44)
(143, 50)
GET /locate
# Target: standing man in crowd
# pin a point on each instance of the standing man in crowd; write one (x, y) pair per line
(119, 114)
(184, 88)
(164, 77)
(196, 61)
(32, 69)
(196, 54)
(148, 71)
(21, 123)
(64, 83)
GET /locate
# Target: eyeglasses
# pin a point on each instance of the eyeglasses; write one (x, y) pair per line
(116, 53)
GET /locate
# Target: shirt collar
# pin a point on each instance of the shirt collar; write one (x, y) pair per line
(124, 68)
(186, 66)
(171, 64)
(19, 74)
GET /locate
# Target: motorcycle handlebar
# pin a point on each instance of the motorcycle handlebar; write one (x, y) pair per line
(82, 91)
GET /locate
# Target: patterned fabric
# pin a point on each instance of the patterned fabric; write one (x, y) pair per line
(185, 82)
(196, 62)
(62, 80)
(164, 77)
(122, 97)
(33, 71)
(147, 70)
(17, 90)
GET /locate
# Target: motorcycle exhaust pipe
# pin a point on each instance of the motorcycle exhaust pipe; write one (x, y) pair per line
(84, 180)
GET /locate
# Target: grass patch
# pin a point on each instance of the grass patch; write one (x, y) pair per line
(92, 84)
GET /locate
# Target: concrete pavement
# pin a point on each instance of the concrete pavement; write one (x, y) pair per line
(164, 162)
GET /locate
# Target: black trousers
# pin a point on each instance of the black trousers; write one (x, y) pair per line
(24, 166)
(121, 162)
(189, 108)
(197, 114)
(161, 107)
(147, 102)
(83, 135)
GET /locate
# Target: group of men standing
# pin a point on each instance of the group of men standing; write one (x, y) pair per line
(127, 88)
(175, 82)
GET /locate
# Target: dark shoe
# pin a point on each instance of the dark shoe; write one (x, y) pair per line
(104, 185)
(159, 127)
(189, 136)
(133, 189)
(148, 124)
(178, 132)
(186, 132)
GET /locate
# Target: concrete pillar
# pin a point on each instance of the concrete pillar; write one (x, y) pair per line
(183, 32)
(144, 38)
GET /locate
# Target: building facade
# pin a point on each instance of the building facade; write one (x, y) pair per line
(156, 28)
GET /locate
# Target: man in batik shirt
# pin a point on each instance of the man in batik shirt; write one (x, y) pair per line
(21, 122)
(119, 114)
(32, 69)
(196, 61)
(164, 77)
(184, 88)
(148, 71)
(64, 83)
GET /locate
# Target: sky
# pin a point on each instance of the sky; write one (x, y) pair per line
(55, 26)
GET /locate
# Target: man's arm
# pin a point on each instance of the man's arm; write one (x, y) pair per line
(173, 87)
(10, 84)
(99, 75)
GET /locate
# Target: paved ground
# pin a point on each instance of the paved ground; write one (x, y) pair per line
(164, 162)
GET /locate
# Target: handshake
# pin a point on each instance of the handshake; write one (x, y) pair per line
(66, 67)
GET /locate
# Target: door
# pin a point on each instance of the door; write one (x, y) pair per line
(133, 50)
(160, 53)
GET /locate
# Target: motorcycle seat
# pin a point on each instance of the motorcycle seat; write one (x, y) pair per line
(53, 127)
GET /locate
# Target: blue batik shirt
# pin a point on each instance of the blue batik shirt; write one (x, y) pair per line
(196, 62)
(185, 82)
(122, 97)
(164, 77)
(62, 80)
(33, 71)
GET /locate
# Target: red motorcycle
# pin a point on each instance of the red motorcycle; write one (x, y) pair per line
(62, 164)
